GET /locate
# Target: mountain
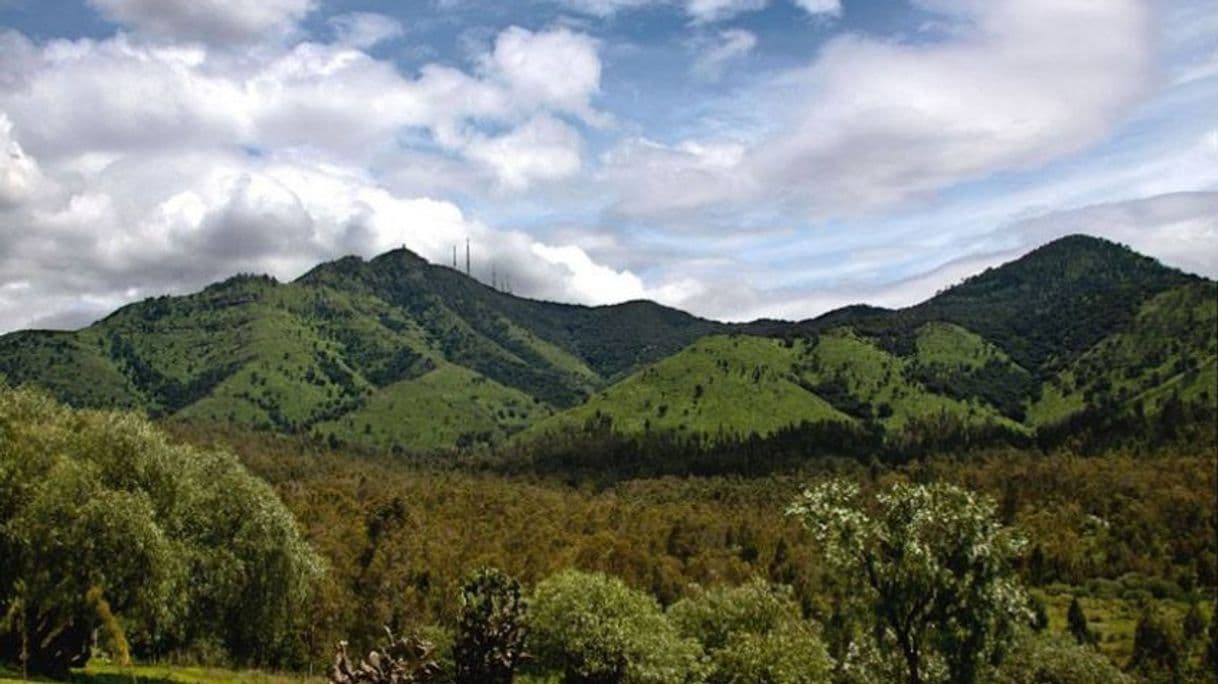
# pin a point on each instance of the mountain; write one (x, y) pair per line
(1077, 323)
(394, 353)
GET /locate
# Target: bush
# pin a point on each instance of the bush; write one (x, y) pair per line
(753, 633)
(1055, 659)
(490, 632)
(183, 546)
(594, 629)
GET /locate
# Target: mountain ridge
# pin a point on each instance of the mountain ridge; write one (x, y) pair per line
(369, 351)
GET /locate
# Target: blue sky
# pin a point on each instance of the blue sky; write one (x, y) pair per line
(735, 158)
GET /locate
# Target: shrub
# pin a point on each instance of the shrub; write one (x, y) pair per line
(490, 632)
(1055, 659)
(594, 629)
(753, 633)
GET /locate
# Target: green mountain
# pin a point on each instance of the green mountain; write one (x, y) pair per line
(397, 353)
(1078, 323)
(389, 352)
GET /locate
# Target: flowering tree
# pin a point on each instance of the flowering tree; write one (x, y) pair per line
(929, 566)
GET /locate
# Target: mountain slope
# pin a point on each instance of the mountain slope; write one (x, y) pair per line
(396, 353)
(332, 352)
(1077, 323)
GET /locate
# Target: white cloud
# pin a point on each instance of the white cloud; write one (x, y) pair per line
(363, 30)
(558, 69)
(732, 44)
(215, 22)
(873, 123)
(19, 173)
(115, 97)
(704, 11)
(821, 7)
(543, 148)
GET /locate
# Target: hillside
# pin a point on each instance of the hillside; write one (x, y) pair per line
(1077, 324)
(395, 353)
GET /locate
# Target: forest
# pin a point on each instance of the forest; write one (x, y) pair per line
(1075, 567)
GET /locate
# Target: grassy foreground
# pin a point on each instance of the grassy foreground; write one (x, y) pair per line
(106, 673)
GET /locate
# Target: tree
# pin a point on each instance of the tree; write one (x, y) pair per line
(1193, 624)
(1076, 624)
(490, 631)
(929, 567)
(596, 630)
(1211, 648)
(1056, 659)
(753, 633)
(184, 546)
(1156, 648)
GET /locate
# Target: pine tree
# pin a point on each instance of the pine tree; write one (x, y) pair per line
(1211, 649)
(1076, 621)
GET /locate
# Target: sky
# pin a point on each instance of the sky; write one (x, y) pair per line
(737, 159)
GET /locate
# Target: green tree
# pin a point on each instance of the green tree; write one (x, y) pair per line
(753, 633)
(1156, 648)
(1193, 624)
(1211, 648)
(929, 566)
(185, 546)
(596, 630)
(1055, 659)
(1076, 623)
(490, 631)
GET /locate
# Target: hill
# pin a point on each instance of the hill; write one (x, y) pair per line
(395, 353)
(1078, 325)
(392, 352)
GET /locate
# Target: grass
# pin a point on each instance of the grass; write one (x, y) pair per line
(108, 673)
(1113, 620)
(720, 384)
(437, 410)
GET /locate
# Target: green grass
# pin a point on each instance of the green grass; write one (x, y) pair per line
(437, 410)
(720, 384)
(1113, 620)
(107, 673)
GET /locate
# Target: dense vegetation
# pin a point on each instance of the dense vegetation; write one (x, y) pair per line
(399, 355)
(1116, 531)
(104, 524)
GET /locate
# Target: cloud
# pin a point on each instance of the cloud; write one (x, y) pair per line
(214, 22)
(19, 173)
(364, 30)
(115, 97)
(543, 148)
(705, 11)
(821, 7)
(872, 124)
(732, 44)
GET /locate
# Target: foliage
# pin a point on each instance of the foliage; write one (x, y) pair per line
(407, 357)
(1157, 648)
(593, 628)
(404, 660)
(1076, 624)
(491, 630)
(930, 565)
(1050, 659)
(753, 633)
(1211, 647)
(184, 545)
